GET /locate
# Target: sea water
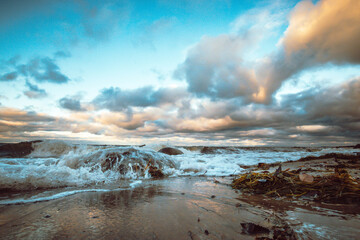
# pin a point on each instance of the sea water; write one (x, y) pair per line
(57, 169)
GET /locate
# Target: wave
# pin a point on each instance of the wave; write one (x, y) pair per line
(59, 164)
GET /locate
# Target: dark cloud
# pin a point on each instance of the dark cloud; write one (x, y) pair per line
(10, 11)
(71, 103)
(99, 21)
(85, 19)
(34, 91)
(116, 99)
(62, 54)
(213, 68)
(9, 76)
(40, 69)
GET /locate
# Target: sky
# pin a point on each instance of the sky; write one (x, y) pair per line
(222, 72)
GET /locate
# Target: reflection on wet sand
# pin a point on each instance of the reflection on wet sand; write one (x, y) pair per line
(166, 209)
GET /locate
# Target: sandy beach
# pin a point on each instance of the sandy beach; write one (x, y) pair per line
(177, 208)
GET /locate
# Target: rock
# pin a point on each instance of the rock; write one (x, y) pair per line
(357, 146)
(208, 150)
(306, 178)
(213, 196)
(206, 232)
(170, 151)
(251, 228)
(47, 216)
(110, 161)
(155, 172)
(17, 149)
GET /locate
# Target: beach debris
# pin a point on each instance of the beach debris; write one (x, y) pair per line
(198, 219)
(206, 232)
(170, 151)
(278, 171)
(213, 196)
(263, 166)
(252, 228)
(95, 216)
(216, 181)
(337, 187)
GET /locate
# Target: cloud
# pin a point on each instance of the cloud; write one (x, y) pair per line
(116, 99)
(9, 76)
(16, 123)
(328, 31)
(71, 103)
(34, 91)
(86, 20)
(40, 69)
(101, 20)
(62, 54)
(153, 30)
(219, 67)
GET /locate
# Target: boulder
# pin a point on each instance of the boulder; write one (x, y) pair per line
(170, 151)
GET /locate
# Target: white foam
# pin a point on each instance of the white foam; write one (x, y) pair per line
(52, 197)
(55, 164)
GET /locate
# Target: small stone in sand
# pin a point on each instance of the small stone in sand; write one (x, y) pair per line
(47, 216)
(206, 232)
(213, 196)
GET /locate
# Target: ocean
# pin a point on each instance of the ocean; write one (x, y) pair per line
(55, 169)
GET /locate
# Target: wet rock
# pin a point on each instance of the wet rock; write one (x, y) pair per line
(110, 161)
(17, 149)
(208, 150)
(155, 172)
(170, 151)
(252, 228)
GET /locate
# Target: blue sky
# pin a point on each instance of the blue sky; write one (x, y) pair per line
(184, 72)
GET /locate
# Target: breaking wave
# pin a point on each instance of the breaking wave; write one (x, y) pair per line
(57, 164)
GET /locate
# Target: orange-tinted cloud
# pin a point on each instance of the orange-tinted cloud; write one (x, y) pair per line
(329, 30)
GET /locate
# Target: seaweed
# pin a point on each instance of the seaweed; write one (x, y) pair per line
(338, 187)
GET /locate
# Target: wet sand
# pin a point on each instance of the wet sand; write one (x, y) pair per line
(175, 208)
